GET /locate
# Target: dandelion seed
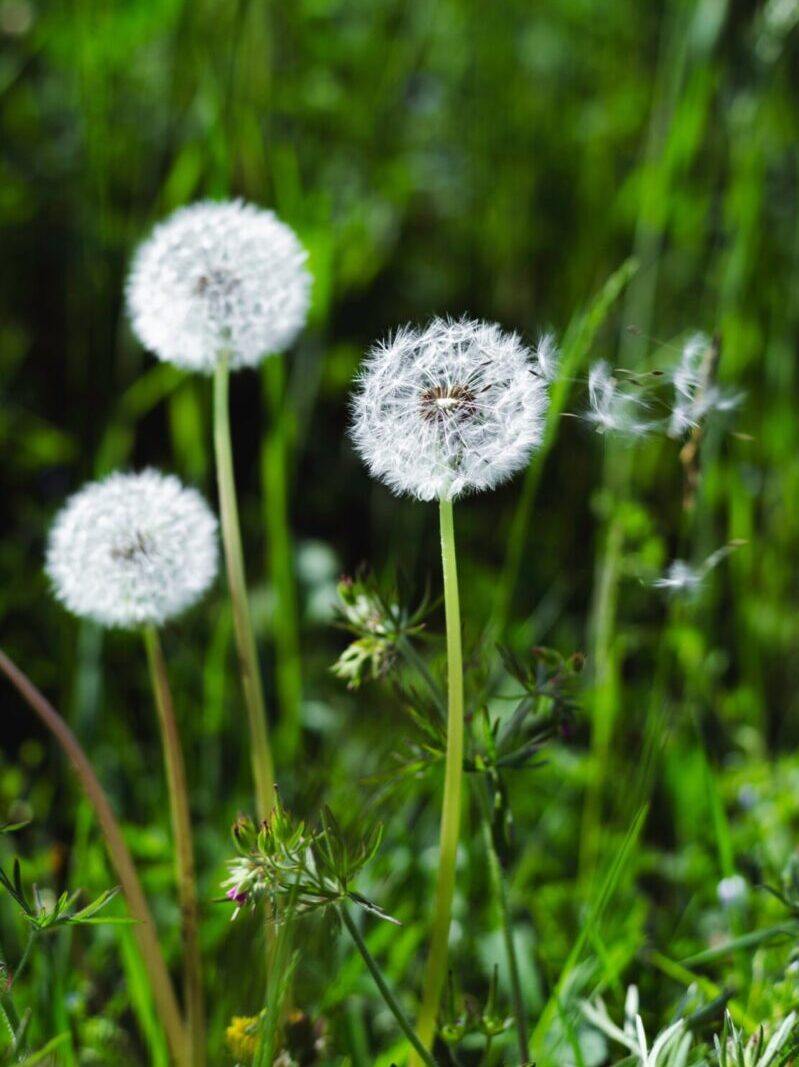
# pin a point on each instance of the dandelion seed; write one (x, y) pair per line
(696, 396)
(683, 577)
(613, 408)
(132, 550)
(218, 277)
(546, 355)
(680, 577)
(453, 408)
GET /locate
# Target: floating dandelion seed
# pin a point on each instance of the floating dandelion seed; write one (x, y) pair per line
(612, 407)
(132, 550)
(627, 403)
(695, 393)
(453, 408)
(218, 277)
(683, 577)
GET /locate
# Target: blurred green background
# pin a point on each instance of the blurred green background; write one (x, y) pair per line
(447, 156)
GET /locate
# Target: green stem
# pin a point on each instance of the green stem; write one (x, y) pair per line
(262, 768)
(498, 883)
(144, 930)
(25, 955)
(385, 992)
(494, 865)
(184, 848)
(274, 465)
(435, 972)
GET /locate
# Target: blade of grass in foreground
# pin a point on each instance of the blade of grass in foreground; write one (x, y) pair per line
(576, 344)
(159, 981)
(603, 897)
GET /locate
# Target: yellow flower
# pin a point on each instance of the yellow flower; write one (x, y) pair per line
(242, 1036)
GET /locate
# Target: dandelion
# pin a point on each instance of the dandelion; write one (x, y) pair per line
(218, 278)
(454, 408)
(219, 286)
(133, 549)
(242, 1035)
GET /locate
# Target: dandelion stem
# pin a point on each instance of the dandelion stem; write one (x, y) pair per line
(262, 768)
(144, 930)
(453, 777)
(288, 665)
(385, 992)
(184, 848)
(494, 865)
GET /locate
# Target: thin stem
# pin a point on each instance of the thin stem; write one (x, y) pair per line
(144, 930)
(453, 778)
(184, 848)
(274, 466)
(498, 882)
(25, 955)
(495, 868)
(414, 660)
(262, 767)
(385, 992)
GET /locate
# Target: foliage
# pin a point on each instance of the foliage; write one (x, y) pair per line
(549, 165)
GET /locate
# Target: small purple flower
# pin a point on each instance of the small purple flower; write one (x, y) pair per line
(238, 895)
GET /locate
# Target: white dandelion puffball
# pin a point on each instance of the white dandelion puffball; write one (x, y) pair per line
(453, 408)
(218, 277)
(132, 550)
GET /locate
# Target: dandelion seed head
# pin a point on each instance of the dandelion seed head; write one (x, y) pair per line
(452, 408)
(218, 277)
(132, 550)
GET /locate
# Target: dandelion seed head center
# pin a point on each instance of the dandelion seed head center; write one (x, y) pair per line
(132, 549)
(441, 403)
(216, 283)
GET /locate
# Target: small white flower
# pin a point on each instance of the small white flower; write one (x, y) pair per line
(218, 277)
(132, 549)
(732, 890)
(453, 408)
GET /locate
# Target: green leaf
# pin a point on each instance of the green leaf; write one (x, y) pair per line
(12, 827)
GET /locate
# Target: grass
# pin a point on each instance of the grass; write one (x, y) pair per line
(546, 168)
